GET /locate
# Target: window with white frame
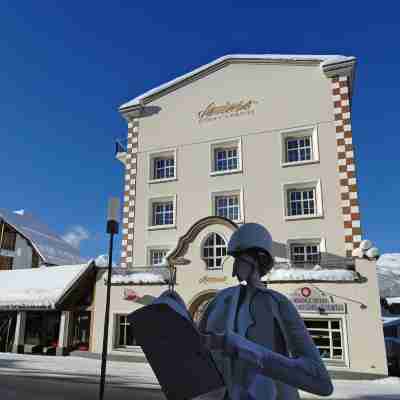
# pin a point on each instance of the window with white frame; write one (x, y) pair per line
(163, 166)
(162, 212)
(228, 206)
(157, 256)
(299, 146)
(298, 149)
(124, 332)
(303, 200)
(226, 157)
(302, 254)
(214, 251)
(328, 337)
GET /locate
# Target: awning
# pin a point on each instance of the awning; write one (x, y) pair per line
(42, 288)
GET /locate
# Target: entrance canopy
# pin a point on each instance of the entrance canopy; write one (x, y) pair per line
(42, 288)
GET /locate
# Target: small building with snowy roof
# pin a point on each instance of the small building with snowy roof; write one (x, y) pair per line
(26, 242)
(46, 310)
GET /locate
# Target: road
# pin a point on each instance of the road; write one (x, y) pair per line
(29, 388)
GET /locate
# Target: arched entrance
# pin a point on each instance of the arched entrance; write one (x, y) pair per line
(200, 303)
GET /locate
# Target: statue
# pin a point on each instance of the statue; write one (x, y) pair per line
(255, 335)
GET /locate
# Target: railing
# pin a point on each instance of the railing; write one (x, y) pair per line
(325, 262)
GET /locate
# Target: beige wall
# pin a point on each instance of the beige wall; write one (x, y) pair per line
(288, 96)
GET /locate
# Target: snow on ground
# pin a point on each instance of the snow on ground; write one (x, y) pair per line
(131, 374)
(388, 269)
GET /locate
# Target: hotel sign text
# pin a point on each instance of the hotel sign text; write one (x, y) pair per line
(214, 111)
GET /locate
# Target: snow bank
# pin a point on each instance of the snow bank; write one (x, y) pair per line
(37, 287)
(137, 278)
(300, 274)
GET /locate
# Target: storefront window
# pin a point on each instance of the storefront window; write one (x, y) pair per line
(7, 329)
(328, 337)
(125, 335)
(81, 331)
(42, 328)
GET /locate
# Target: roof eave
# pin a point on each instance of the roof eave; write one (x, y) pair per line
(346, 67)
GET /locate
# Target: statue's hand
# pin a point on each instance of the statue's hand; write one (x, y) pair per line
(213, 341)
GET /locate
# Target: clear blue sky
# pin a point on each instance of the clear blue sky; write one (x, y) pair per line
(67, 66)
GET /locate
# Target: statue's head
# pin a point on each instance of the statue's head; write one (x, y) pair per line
(251, 246)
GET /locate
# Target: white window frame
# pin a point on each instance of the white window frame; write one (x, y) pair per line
(320, 242)
(237, 192)
(230, 143)
(340, 364)
(303, 185)
(117, 345)
(160, 154)
(161, 199)
(299, 133)
(150, 250)
(207, 268)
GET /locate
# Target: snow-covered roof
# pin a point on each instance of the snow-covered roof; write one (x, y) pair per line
(48, 244)
(145, 275)
(40, 287)
(388, 270)
(324, 60)
(301, 274)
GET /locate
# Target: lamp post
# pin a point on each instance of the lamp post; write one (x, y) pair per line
(112, 229)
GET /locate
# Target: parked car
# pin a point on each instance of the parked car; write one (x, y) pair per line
(393, 355)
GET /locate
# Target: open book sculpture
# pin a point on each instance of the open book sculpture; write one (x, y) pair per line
(171, 342)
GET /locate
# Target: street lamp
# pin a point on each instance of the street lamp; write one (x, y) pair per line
(112, 229)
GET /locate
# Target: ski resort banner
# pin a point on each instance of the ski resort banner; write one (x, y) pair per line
(313, 300)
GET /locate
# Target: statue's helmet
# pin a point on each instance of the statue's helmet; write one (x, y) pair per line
(253, 238)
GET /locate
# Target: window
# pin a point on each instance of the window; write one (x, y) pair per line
(124, 336)
(8, 239)
(226, 157)
(228, 206)
(298, 149)
(303, 200)
(162, 166)
(163, 213)
(299, 146)
(302, 254)
(6, 262)
(157, 256)
(214, 251)
(328, 336)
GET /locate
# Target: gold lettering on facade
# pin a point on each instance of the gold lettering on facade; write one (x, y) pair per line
(212, 279)
(214, 111)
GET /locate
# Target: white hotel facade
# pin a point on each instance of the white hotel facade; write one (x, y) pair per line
(248, 138)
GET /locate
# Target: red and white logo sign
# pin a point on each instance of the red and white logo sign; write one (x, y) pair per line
(305, 292)
(131, 295)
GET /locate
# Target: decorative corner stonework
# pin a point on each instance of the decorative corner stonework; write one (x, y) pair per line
(128, 221)
(346, 164)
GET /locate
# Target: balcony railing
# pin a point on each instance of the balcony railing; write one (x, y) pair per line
(326, 261)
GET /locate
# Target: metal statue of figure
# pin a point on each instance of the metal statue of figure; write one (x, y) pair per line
(256, 336)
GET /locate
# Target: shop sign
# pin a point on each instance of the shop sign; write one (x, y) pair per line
(313, 300)
(213, 279)
(215, 111)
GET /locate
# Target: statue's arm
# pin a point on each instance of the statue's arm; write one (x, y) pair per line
(304, 370)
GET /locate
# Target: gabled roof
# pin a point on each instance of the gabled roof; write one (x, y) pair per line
(40, 288)
(327, 62)
(51, 248)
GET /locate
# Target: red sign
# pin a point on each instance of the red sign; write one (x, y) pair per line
(305, 292)
(131, 295)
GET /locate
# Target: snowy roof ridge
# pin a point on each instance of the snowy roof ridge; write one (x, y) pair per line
(38, 287)
(325, 61)
(52, 248)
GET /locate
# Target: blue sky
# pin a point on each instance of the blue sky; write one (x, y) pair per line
(67, 66)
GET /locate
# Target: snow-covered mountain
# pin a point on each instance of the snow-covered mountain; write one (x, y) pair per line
(388, 268)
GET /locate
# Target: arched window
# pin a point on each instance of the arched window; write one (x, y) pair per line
(214, 251)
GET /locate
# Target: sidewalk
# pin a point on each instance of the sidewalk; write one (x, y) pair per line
(140, 375)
